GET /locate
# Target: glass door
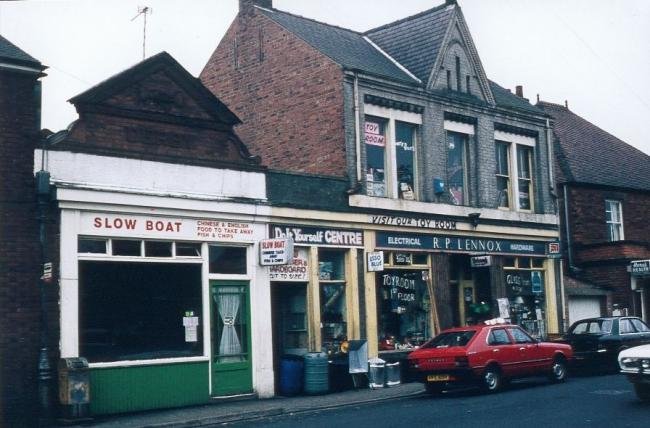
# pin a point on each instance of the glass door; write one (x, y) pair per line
(231, 338)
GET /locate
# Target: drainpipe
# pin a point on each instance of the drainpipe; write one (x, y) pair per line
(568, 230)
(357, 122)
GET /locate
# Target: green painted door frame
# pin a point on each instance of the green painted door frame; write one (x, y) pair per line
(231, 338)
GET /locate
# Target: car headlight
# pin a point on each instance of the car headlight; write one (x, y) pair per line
(634, 363)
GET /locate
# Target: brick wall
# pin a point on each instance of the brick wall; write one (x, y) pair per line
(19, 249)
(288, 95)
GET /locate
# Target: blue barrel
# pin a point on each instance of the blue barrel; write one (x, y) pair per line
(291, 370)
(316, 373)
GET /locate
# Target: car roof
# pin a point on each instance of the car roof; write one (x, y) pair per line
(477, 327)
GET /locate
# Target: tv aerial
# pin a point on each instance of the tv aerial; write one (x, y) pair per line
(144, 11)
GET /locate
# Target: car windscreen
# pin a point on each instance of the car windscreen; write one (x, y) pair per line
(592, 327)
(451, 339)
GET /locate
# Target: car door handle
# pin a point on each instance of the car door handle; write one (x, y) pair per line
(495, 350)
(522, 349)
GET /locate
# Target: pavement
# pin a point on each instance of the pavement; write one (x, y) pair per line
(242, 408)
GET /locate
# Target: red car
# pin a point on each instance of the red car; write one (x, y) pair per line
(486, 355)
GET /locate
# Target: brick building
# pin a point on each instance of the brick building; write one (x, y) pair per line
(604, 196)
(444, 171)
(20, 101)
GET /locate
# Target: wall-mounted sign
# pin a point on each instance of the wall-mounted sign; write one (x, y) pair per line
(296, 271)
(278, 251)
(376, 261)
(307, 235)
(406, 221)
(164, 227)
(481, 261)
(463, 244)
(553, 250)
(640, 267)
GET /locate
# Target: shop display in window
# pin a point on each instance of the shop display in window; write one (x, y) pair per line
(405, 156)
(403, 306)
(456, 169)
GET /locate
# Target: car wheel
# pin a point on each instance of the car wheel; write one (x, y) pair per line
(433, 388)
(558, 370)
(492, 379)
(642, 391)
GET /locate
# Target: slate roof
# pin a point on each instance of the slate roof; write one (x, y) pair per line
(589, 155)
(415, 41)
(12, 53)
(345, 47)
(505, 98)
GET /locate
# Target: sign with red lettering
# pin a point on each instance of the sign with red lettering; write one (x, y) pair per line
(165, 228)
(276, 251)
(373, 135)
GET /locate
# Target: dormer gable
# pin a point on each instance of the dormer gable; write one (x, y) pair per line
(458, 68)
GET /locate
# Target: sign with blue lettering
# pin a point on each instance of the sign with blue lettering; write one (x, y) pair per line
(454, 243)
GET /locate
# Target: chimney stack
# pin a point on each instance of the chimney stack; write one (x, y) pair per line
(247, 5)
(519, 90)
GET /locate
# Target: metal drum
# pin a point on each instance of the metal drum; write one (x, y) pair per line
(316, 373)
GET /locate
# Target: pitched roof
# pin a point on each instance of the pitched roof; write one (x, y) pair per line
(589, 155)
(505, 98)
(345, 47)
(415, 41)
(12, 53)
(143, 69)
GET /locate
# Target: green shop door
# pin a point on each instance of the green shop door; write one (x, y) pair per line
(231, 338)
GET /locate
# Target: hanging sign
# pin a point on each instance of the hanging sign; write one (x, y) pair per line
(376, 261)
(481, 261)
(278, 251)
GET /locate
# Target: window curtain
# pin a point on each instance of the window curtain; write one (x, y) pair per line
(228, 301)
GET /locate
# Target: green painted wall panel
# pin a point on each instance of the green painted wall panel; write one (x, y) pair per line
(130, 389)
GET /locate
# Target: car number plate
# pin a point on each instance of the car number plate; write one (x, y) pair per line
(438, 377)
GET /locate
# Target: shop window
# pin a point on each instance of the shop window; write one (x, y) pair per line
(228, 260)
(403, 309)
(333, 310)
(157, 249)
(614, 219)
(526, 295)
(292, 303)
(91, 246)
(134, 311)
(457, 167)
(188, 249)
(538, 262)
(126, 247)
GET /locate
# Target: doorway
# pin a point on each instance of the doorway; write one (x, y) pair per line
(231, 338)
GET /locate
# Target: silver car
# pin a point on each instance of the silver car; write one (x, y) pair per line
(635, 363)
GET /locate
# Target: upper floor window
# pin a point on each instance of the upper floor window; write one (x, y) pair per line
(390, 142)
(514, 171)
(457, 167)
(614, 219)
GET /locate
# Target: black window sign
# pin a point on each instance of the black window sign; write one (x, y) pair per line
(306, 235)
(459, 244)
(401, 289)
(403, 258)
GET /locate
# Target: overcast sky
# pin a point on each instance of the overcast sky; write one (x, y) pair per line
(593, 53)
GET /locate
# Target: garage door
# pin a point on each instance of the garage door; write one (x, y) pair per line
(583, 307)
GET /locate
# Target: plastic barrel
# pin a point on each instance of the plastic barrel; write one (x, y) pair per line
(316, 373)
(291, 370)
(392, 374)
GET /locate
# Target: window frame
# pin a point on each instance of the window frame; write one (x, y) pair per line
(610, 223)
(391, 117)
(514, 141)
